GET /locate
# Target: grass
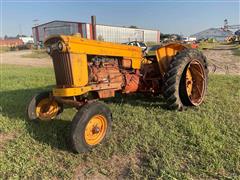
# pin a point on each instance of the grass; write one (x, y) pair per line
(4, 49)
(36, 54)
(236, 51)
(152, 43)
(147, 141)
(208, 45)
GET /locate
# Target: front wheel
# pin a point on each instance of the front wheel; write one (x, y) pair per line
(186, 80)
(90, 126)
(43, 107)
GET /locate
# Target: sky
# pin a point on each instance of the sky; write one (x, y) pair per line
(184, 17)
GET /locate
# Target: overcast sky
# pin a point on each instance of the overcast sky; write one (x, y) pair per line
(182, 17)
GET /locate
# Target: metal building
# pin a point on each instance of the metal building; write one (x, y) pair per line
(107, 33)
(216, 33)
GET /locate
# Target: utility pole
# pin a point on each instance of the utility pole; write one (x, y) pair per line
(225, 26)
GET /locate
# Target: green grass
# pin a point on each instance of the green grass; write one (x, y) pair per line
(207, 45)
(147, 141)
(152, 43)
(36, 54)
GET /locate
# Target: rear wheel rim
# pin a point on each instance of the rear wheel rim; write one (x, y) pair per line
(95, 130)
(189, 82)
(47, 109)
(195, 82)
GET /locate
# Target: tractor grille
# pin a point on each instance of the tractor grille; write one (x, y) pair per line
(63, 69)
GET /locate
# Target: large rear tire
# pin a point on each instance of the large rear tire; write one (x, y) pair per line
(185, 82)
(90, 126)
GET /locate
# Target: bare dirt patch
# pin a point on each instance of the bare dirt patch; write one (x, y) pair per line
(222, 61)
(116, 167)
(88, 171)
(16, 58)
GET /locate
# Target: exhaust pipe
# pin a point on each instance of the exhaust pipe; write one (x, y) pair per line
(93, 23)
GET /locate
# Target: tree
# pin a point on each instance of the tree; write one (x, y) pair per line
(170, 36)
(163, 36)
(132, 26)
(18, 36)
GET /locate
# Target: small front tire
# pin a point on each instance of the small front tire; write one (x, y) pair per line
(90, 126)
(44, 108)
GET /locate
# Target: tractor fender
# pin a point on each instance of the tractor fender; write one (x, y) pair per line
(166, 53)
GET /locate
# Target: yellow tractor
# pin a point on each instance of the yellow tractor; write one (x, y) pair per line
(88, 70)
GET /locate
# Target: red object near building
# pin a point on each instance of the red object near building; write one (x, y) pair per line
(11, 42)
(194, 45)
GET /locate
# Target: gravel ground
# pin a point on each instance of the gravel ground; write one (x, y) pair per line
(15, 58)
(222, 61)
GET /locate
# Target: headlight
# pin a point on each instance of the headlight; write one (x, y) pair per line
(60, 46)
(48, 49)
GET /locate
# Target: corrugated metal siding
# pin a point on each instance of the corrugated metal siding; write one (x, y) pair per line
(104, 32)
(88, 31)
(84, 31)
(80, 28)
(151, 36)
(119, 34)
(54, 28)
(59, 28)
(34, 34)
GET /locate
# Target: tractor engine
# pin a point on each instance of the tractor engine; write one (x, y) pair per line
(104, 70)
(112, 70)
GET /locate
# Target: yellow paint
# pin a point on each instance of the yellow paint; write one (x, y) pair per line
(77, 45)
(165, 54)
(67, 92)
(47, 109)
(79, 69)
(95, 130)
(189, 82)
(76, 91)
